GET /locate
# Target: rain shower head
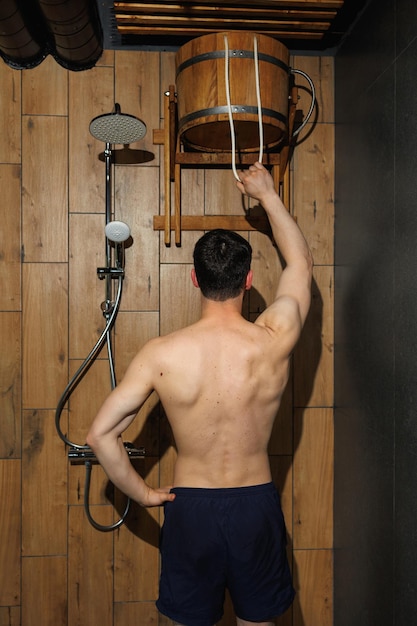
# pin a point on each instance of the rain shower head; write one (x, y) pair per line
(117, 127)
(117, 231)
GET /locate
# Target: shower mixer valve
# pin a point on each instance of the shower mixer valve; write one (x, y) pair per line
(80, 455)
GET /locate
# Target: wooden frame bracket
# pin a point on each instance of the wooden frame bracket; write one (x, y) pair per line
(176, 157)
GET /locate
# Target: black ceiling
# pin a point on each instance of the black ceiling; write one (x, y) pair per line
(75, 32)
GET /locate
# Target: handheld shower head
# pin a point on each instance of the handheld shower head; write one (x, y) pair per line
(117, 127)
(117, 231)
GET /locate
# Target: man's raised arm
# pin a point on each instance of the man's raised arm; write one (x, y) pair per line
(292, 299)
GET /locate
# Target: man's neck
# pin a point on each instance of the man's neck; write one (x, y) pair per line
(225, 308)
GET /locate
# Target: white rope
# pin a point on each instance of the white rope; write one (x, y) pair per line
(229, 106)
(258, 97)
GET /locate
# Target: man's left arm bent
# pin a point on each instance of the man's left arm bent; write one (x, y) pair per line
(105, 434)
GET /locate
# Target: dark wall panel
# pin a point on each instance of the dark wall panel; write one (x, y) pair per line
(405, 296)
(376, 319)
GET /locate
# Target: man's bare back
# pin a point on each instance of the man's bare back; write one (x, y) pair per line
(220, 381)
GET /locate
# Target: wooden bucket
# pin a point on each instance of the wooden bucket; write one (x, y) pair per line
(203, 118)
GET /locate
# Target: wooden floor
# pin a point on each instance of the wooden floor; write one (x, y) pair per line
(55, 568)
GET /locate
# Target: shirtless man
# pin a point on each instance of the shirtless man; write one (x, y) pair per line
(220, 381)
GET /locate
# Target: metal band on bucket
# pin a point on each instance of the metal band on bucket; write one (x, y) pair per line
(233, 54)
(236, 108)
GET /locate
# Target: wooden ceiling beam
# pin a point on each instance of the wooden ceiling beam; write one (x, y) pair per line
(273, 4)
(291, 19)
(174, 10)
(197, 32)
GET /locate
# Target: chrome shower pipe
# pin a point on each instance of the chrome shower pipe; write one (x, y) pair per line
(111, 128)
(108, 216)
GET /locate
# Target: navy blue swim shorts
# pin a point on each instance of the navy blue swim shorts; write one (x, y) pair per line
(213, 539)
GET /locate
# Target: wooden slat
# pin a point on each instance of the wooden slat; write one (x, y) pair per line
(45, 89)
(90, 558)
(10, 115)
(313, 478)
(10, 384)
(225, 23)
(88, 396)
(45, 200)
(278, 4)
(136, 196)
(10, 251)
(45, 338)
(137, 544)
(87, 253)
(44, 530)
(197, 32)
(313, 571)
(10, 616)
(44, 590)
(180, 300)
(133, 329)
(143, 613)
(208, 222)
(305, 20)
(86, 170)
(313, 377)
(10, 525)
(152, 10)
(136, 94)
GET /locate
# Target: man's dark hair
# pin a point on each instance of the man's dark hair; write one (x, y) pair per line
(222, 261)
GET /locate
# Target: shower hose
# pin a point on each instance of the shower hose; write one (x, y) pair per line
(72, 384)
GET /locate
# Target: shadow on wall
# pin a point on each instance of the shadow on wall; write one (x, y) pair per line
(365, 432)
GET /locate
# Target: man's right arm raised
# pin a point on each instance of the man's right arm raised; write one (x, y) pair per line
(292, 299)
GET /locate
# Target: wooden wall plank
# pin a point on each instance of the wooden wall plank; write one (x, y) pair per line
(10, 233)
(313, 571)
(90, 589)
(230, 201)
(136, 564)
(281, 469)
(136, 192)
(44, 462)
(133, 329)
(10, 384)
(313, 193)
(192, 203)
(99, 485)
(90, 94)
(10, 616)
(45, 339)
(267, 270)
(143, 613)
(321, 71)
(180, 300)
(45, 183)
(281, 441)
(313, 377)
(137, 94)
(313, 478)
(86, 291)
(10, 115)
(87, 397)
(45, 89)
(10, 530)
(44, 591)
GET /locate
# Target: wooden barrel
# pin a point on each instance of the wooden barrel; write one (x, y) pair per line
(203, 118)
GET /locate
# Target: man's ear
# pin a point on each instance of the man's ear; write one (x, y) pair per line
(194, 278)
(249, 279)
